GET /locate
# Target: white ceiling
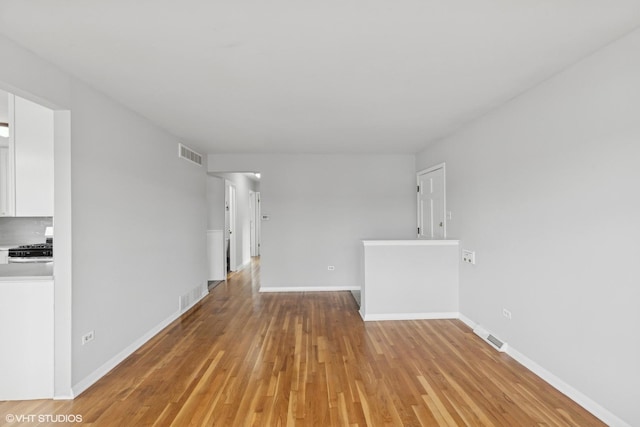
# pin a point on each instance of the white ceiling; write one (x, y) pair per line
(314, 76)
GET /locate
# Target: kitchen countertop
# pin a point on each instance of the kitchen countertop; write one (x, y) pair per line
(26, 271)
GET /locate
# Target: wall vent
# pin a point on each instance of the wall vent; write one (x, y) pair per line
(491, 339)
(190, 298)
(495, 341)
(190, 155)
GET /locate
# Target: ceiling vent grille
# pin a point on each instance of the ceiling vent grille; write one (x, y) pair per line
(190, 155)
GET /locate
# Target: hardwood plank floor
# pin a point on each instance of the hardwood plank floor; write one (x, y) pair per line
(241, 358)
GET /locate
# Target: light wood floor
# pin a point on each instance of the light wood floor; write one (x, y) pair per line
(241, 358)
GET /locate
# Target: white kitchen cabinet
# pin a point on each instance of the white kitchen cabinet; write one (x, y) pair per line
(6, 179)
(26, 334)
(26, 160)
(7, 163)
(33, 146)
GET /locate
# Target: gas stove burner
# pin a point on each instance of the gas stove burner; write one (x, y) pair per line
(35, 246)
(37, 250)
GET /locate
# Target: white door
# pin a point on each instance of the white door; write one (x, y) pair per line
(230, 220)
(254, 222)
(431, 203)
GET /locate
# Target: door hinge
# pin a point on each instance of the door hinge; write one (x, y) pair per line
(418, 231)
(418, 188)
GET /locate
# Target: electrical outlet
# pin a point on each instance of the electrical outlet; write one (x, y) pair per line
(506, 313)
(331, 267)
(468, 256)
(89, 336)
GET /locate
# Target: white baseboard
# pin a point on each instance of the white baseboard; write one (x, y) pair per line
(409, 316)
(63, 397)
(241, 267)
(266, 289)
(470, 323)
(103, 370)
(587, 403)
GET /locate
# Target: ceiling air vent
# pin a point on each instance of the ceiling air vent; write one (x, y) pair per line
(190, 155)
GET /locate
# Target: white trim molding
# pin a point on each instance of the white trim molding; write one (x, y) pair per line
(242, 266)
(267, 289)
(409, 316)
(416, 242)
(581, 399)
(587, 403)
(103, 370)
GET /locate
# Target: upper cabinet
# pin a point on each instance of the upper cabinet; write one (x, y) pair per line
(33, 139)
(7, 199)
(26, 159)
(6, 180)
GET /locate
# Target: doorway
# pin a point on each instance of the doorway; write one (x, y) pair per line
(432, 216)
(233, 223)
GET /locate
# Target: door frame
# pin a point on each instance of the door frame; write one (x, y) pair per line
(231, 213)
(254, 214)
(444, 195)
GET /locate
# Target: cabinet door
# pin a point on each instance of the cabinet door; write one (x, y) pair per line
(6, 183)
(33, 139)
(26, 359)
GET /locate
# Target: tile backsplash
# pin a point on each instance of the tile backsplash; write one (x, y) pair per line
(23, 230)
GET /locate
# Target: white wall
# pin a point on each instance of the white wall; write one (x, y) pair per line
(133, 213)
(321, 207)
(139, 221)
(215, 203)
(546, 190)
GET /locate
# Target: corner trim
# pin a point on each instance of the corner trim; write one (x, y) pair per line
(470, 323)
(103, 370)
(64, 397)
